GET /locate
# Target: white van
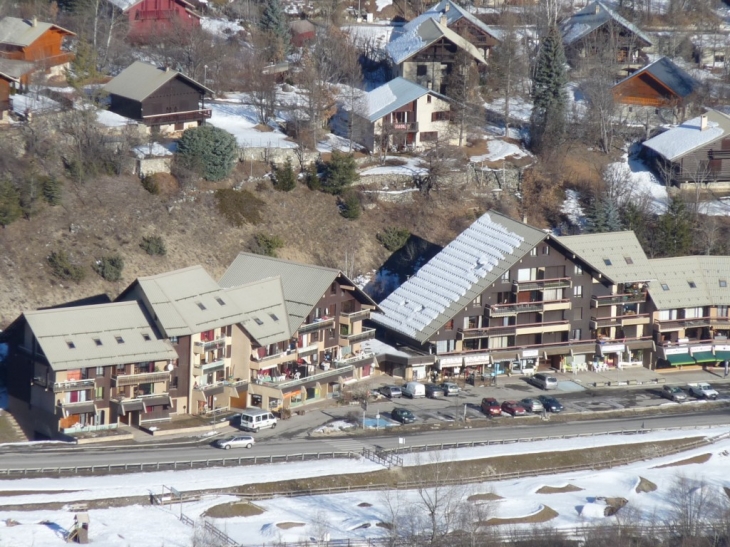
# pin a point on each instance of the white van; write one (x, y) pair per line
(256, 419)
(414, 390)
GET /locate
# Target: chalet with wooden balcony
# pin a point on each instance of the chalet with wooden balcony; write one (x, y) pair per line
(161, 98)
(321, 348)
(689, 309)
(35, 42)
(425, 51)
(695, 153)
(597, 33)
(661, 91)
(201, 321)
(89, 368)
(152, 19)
(399, 114)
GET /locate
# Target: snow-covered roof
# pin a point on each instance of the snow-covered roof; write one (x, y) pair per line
(455, 276)
(669, 74)
(685, 138)
(154, 149)
(593, 16)
(391, 96)
(453, 13)
(422, 35)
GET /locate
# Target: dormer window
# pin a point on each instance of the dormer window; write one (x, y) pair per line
(692, 284)
(220, 301)
(200, 305)
(258, 321)
(607, 261)
(97, 341)
(146, 337)
(273, 316)
(70, 344)
(723, 283)
(119, 339)
(629, 260)
(665, 287)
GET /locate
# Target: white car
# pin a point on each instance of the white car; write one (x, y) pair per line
(239, 441)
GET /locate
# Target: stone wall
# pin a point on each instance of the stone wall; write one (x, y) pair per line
(276, 155)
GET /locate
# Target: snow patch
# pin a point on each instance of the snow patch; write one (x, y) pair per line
(499, 150)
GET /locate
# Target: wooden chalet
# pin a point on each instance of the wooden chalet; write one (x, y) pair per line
(161, 98)
(36, 42)
(150, 18)
(13, 78)
(425, 53)
(596, 30)
(302, 32)
(466, 25)
(697, 152)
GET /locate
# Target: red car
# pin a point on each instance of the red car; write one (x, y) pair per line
(513, 408)
(490, 407)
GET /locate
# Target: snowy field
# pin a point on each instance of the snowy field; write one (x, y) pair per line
(240, 121)
(353, 515)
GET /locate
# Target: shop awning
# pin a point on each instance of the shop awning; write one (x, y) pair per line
(680, 359)
(704, 357)
(157, 400)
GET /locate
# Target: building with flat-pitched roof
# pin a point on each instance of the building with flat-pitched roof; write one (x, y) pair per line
(35, 42)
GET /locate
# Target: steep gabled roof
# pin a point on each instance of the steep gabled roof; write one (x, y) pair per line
(708, 274)
(264, 309)
(187, 301)
(97, 335)
(304, 284)
(390, 97)
(139, 80)
(22, 32)
(688, 136)
(592, 17)
(617, 256)
(455, 276)
(421, 35)
(453, 12)
(669, 75)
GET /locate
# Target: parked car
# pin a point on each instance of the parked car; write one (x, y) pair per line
(239, 441)
(433, 391)
(544, 381)
(674, 393)
(392, 392)
(532, 405)
(513, 408)
(450, 389)
(414, 390)
(490, 407)
(702, 390)
(402, 415)
(551, 404)
(256, 419)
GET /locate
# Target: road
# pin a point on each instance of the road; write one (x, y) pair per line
(270, 445)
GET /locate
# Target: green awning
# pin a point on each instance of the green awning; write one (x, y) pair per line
(680, 359)
(704, 357)
(722, 355)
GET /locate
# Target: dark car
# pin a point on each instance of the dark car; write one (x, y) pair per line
(433, 391)
(490, 407)
(392, 392)
(513, 408)
(551, 404)
(402, 415)
(450, 388)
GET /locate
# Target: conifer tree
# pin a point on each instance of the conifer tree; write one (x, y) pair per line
(547, 123)
(273, 22)
(10, 208)
(674, 229)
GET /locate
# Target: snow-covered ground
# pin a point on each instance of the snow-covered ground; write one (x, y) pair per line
(220, 27)
(640, 181)
(348, 515)
(498, 150)
(413, 166)
(240, 120)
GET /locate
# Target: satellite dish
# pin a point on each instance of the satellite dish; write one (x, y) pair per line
(169, 366)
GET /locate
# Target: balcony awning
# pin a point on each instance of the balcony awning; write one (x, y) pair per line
(79, 408)
(266, 366)
(158, 400)
(214, 390)
(131, 405)
(680, 359)
(704, 357)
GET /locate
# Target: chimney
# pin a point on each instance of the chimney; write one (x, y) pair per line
(446, 8)
(597, 8)
(167, 68)
(443, 20)
(34, 21)
(703, 122)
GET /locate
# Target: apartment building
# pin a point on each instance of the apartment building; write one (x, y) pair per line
(88, 368)
(504, 296)
(322, 349)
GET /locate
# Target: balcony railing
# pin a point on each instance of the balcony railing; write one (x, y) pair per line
(333, 372)
(542, 284)
(122, 380)
(317, 325)
(400, 127)
(366, 334)
(205, 367)
(203, 347)
(617, 299)
(619, 320)
(177, 117)
(690, 322)
(507, 329)
(363, 358)
(306, 351)
(74, 385)
(349, 318)
(513, 308)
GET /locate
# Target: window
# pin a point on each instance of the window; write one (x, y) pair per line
(577, 314)
(333, 288)
(100, 371)
(575, 334)
(722, 311)
(258, 321)
(505, 277)
(173, 339)
(533, 251)
(546, 250)
(330, 333)
(71, 345)
(578, 291)
(273, 316)
(577, 270)
(97, 341)
(723, 283)
(429, 136)
(99, 393)
(692, 284)
(421, 70)
(449, 325)
(607, 261)
(314, 337)
(665, 287)
(200, 305)
(440, 116)
(428, 99)
(120, 369)
(477, 301)
(146, 337)
(629, 260)
(220, 301)
(119, 339)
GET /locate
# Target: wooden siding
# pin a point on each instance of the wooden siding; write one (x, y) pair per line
(46, 50)
(4, 95)
(645, 90)
(125, 107)
(465, 28)
(176, 95)
(155, 16)
(703, 166)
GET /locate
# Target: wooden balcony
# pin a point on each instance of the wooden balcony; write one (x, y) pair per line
(366, 334)
(122, 380)
(400, 127)
(542, 284)
(73, 385)
(354, 317)
(177, 117)
(317, 325)
(618, 299)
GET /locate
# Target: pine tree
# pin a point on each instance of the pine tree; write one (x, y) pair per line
(273, 22)
(284, 178)
(547, 123)
(674, 229)
(10, 208)
(596, 217)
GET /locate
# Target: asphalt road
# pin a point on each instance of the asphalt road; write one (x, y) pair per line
(169, 451)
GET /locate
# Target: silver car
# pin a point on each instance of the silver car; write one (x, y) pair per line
(392, 392)
(450, 388)
(239, 441)
(674, 393)
(532, 405)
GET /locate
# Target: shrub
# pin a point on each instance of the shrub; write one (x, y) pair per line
(153, 246)
(311, 177)
(52, 190)
(285, 179)
(62, 267)
(266, 245)
(239, 207)
(350, 206)
(393, 238)
(209, 150)
(110, 267)
(149, 183)
(10, 208)
(340, 172)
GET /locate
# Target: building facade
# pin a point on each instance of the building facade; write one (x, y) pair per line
(36, 42)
